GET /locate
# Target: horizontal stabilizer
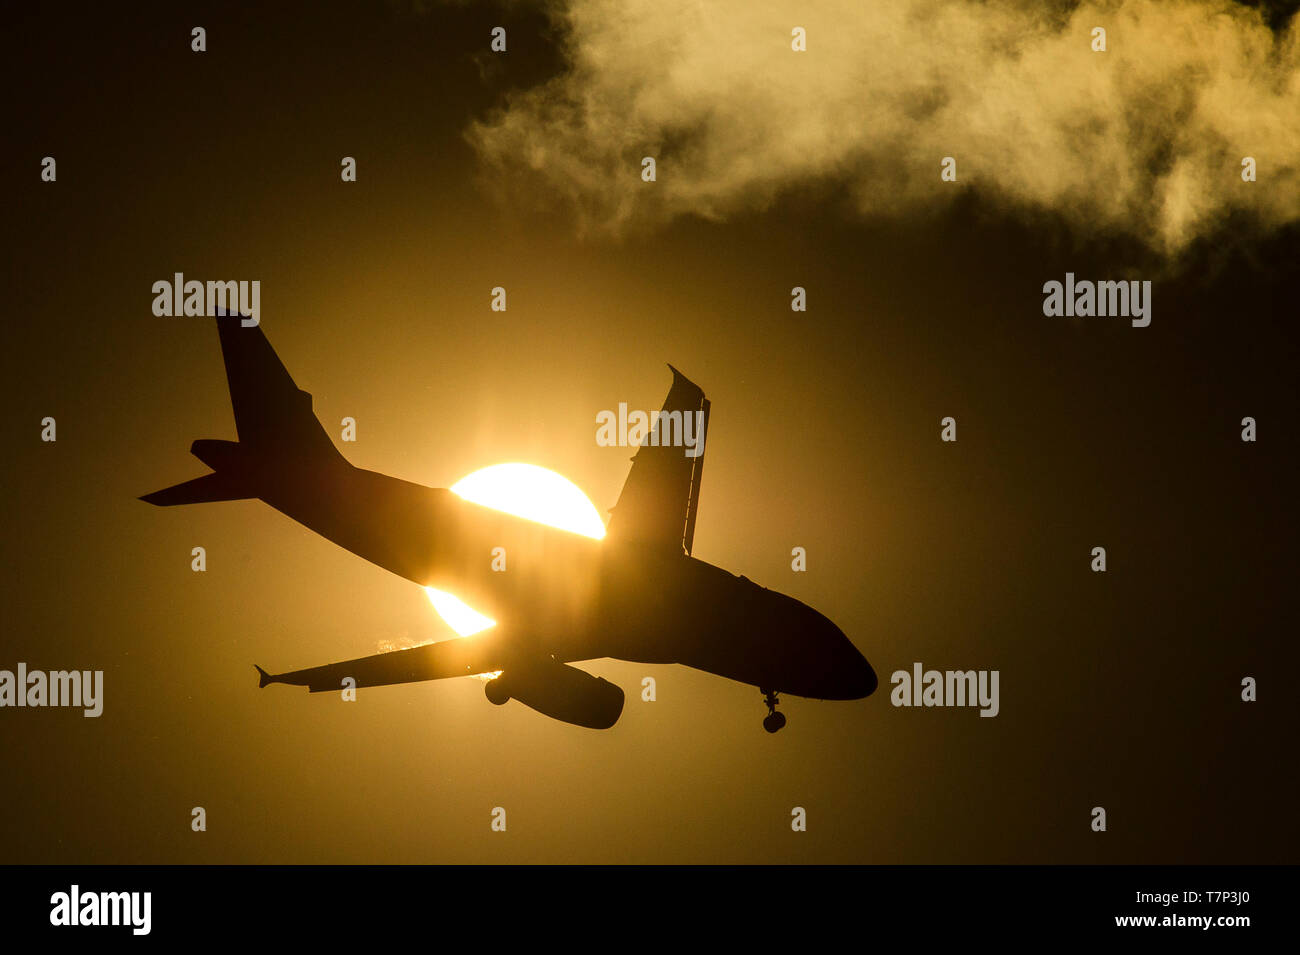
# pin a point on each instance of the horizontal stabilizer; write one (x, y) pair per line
(210, 487)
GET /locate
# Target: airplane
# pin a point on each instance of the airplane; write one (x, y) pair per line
(636, 595)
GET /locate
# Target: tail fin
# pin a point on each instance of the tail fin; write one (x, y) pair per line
(263, 678)
(271, 413)
(273, 417)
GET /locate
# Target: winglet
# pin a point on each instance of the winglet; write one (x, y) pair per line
(263, 678)
(659, 497)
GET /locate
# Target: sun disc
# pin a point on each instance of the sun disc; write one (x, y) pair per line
(532, 492)
(460, 616)
(527, 491)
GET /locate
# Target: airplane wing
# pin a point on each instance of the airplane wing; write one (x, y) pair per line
(662, 492)
(538, 681)
(462, 656)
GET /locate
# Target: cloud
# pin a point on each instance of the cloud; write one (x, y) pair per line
(1146, 138)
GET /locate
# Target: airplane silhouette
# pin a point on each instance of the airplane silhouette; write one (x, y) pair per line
(637, 595)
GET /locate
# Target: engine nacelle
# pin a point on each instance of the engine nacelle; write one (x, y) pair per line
(496, 692)
(561, 692)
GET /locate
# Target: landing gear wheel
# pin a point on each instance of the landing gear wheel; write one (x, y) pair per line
(495, 691)
(774, 720)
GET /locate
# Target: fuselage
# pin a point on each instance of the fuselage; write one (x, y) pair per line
(572, 596)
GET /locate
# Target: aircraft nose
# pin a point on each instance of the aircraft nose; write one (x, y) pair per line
(864, 681)
(856, 677)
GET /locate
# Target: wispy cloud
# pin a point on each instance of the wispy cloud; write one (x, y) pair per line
(1146, 138)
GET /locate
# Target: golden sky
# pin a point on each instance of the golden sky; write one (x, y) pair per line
(778, 169)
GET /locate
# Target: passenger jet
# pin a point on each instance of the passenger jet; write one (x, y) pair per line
(636, 595)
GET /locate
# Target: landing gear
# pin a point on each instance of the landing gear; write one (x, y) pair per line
(495, 691)
(774, 720)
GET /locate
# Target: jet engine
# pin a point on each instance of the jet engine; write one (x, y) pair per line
(559, 691)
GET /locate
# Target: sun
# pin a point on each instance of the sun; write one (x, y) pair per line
(535, 493)
(460, 616)
(527, 491)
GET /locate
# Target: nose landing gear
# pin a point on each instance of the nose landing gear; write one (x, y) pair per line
(774, 720)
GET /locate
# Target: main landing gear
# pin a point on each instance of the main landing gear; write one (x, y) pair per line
(774, 720)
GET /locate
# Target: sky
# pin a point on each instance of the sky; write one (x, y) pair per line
(818, 169)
